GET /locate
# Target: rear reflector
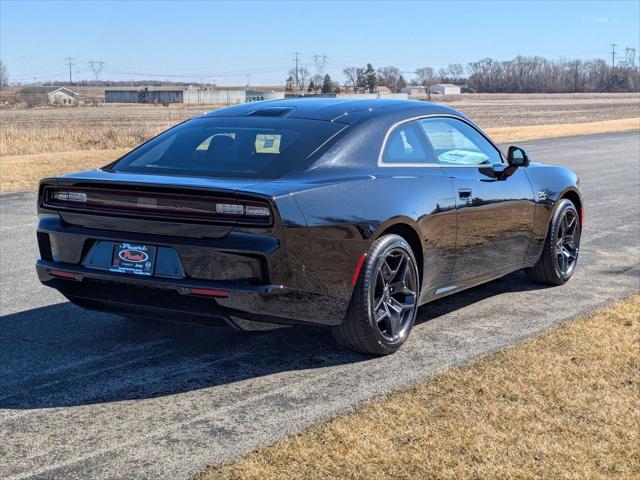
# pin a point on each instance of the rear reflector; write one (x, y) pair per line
(582, 219)
(356, 274)
(63, 274)
(209, 292)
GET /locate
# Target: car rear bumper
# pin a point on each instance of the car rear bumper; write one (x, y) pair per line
(163, 297)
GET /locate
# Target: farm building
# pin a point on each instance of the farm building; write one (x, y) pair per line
(211, 96)
(44, 95)
(63, 96)
(166, 95)
(445, 89)
(144, 95)
(414, 90)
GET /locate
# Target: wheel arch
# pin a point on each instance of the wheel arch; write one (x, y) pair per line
(404, 229)
(574, 196)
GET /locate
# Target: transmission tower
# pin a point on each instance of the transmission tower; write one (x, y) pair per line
(613, 54)
(630, 56)
(96, 67)
(320, 62)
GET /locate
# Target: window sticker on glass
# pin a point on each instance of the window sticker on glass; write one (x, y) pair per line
(268, 143)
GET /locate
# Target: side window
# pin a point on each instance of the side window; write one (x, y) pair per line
(406, 144)
(457, 143)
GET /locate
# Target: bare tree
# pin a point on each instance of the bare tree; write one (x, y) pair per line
(317, 81)
(455, 71)
(389, 77)
(4, 76)
(426, 77)
(352, 75)
(302, 77)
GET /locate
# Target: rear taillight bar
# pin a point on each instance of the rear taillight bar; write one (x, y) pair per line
(171, 205)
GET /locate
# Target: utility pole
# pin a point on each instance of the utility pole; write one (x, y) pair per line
(613, 55)
(297, 54)
(78, 81)
(70, 64)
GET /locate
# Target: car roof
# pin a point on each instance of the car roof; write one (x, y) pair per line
(343, 110)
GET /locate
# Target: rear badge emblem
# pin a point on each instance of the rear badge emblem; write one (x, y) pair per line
(136, 256)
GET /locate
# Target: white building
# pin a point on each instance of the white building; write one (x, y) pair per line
(63, 96)
(414, 90)
(445, 89)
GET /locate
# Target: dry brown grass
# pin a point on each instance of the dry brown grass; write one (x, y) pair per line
(536, 132)
(80, 138)
(563, 405)
(40, 130)
(27, 131)
(23, 172)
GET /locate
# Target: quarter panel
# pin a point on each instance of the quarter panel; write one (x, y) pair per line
(344, 218)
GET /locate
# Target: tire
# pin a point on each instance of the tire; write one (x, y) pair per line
(385, 299)
(561, 245)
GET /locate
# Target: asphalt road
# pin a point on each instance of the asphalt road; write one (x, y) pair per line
(86, 395)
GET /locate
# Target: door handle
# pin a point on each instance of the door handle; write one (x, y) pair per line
(465, 194)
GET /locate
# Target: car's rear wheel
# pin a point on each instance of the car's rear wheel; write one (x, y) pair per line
(560, 252)
(385, 299)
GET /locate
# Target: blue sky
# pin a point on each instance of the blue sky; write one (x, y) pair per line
(227, 41)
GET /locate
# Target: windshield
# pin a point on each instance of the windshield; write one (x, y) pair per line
(231, 147)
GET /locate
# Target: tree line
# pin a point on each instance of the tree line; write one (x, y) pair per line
(540, 75)
(519, 75)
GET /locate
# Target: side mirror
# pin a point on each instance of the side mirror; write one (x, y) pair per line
(517, 157)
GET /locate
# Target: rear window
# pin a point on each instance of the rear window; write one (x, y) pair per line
(231, 147)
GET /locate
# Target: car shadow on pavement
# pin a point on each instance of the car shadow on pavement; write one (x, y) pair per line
(62, 355)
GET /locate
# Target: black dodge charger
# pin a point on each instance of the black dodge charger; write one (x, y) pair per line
(344, 213)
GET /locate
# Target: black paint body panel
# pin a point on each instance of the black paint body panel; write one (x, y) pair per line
(325, 217)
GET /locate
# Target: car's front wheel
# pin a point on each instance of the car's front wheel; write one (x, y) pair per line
(385, 299)
(562, 245)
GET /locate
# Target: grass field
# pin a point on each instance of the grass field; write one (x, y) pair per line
(28, 131)
(35, 143)
(562, 405)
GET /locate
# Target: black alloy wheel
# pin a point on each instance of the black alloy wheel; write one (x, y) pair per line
(394, 298)
(385, 298)
(559, 256)
(567, 241)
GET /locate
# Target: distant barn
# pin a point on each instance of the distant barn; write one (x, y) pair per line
(63, 96)
(445, 89)
(166, 95)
